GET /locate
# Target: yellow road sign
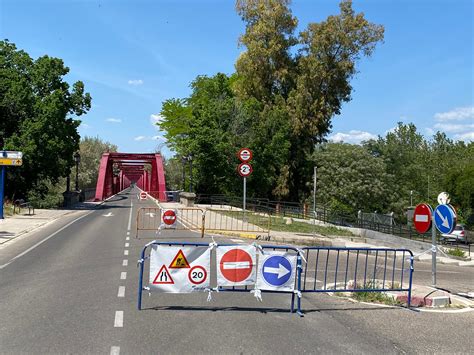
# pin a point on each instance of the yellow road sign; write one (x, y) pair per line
(11, 162)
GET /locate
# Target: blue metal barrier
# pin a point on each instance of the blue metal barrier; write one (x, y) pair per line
(378, 268)
(144, 257)
(357, 270)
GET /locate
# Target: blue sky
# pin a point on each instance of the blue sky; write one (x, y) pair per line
(133, 55)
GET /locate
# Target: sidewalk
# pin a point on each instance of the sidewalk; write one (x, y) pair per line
(13, 226)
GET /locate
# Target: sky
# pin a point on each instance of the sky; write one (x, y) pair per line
(133, 55)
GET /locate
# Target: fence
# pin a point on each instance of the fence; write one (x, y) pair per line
(236, 220)
(150, 219)
(342, 270)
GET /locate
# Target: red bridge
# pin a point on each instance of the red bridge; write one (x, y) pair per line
(118, 171)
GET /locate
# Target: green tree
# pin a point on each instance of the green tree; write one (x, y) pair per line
(351, 178)
(312, 85)
(38, 108)
(91, 150)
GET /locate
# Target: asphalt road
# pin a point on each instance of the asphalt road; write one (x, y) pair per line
(75, 291)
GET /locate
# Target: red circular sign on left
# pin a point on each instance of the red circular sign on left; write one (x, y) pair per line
(143, 195)
(169, 217)
(422, 217)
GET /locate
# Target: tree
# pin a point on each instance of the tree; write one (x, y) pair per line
(38, 108)
(91, 150)
(350, 177)
(312, 85)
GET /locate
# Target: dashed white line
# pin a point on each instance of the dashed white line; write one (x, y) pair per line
(128, 238)
(128, 233)
(127, 245)
(125, 252)
(130, 216)
(115, 350)
(121, 291)
(123, 275)
(125, 262)
(118, 322)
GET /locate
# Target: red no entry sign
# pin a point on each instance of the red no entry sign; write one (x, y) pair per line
(236, 265)
(143, 195)
(245, 155)
(422, 217)
(169, 217)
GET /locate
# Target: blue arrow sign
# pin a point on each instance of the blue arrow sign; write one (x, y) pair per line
(445, 218)
(276, 270)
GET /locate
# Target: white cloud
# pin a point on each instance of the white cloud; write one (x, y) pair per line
(468, 136)
(156, 118)
(158, 138)
(84, 125)
(457, 114)
(114, 120)
(135, 82)
(453, 127)
(139, 138)
(353, 136)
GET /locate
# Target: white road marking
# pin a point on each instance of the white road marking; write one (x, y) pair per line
(125, 262)
(130, 216)
(127, 245)
(118, 322)
(237, 241)
(128, 238)
(125, 252)
(128, 233)
(236, 265)
(42, 241)
(123, 275)
(121, 291)
(115, 350)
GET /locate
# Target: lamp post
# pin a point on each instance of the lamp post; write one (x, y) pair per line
(77, 159)
(183, 160)
(190, 159)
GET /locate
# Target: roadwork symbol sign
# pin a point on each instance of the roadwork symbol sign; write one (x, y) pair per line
(163, 277)
(179, 261)
(236, 265)
(276, 271)
(180, 269)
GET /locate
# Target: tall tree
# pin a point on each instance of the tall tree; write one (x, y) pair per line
(91, 149)
(38, 109)
(312, 85)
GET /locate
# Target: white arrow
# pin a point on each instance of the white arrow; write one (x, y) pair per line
(444, 219)
(151, 214)
(280, 270)
(108, 214)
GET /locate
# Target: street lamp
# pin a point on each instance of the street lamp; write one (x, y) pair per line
(190, 159)
(77, 159)
(183, 160)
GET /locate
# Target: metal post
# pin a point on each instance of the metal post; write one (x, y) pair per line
(190, 175)
(77, 176)
(2, 187)
(245, 195)
(411, 198)
(314, 190)
(184, 172)
(433, 251)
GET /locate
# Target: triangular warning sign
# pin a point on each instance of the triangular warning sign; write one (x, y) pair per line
(179, 261)
(163, 277)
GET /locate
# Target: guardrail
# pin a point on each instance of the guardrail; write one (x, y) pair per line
(237, 221)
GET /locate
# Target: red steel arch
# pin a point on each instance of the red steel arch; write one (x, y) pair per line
(118, 171)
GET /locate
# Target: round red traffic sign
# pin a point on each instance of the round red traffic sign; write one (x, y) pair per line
(197, 274)
(245, 169)
(422, 217)
(169, 217)
(245, 155)
(236, 265)
(143, 195)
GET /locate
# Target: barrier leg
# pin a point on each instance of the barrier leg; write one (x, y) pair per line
(410, 283)
(292, 309)
(140, 279)
(298, 275)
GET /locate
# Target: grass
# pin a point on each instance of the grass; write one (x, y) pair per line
(375, 297)
(456, 252)
(278, 224)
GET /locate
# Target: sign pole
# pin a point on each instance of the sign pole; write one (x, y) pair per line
(433, 252)
(2, 186)
(245, 194)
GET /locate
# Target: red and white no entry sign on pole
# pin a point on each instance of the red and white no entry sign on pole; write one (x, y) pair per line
(169, 217)
(143, 195)
(245, 155)
(236, 265)
(422, 217)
